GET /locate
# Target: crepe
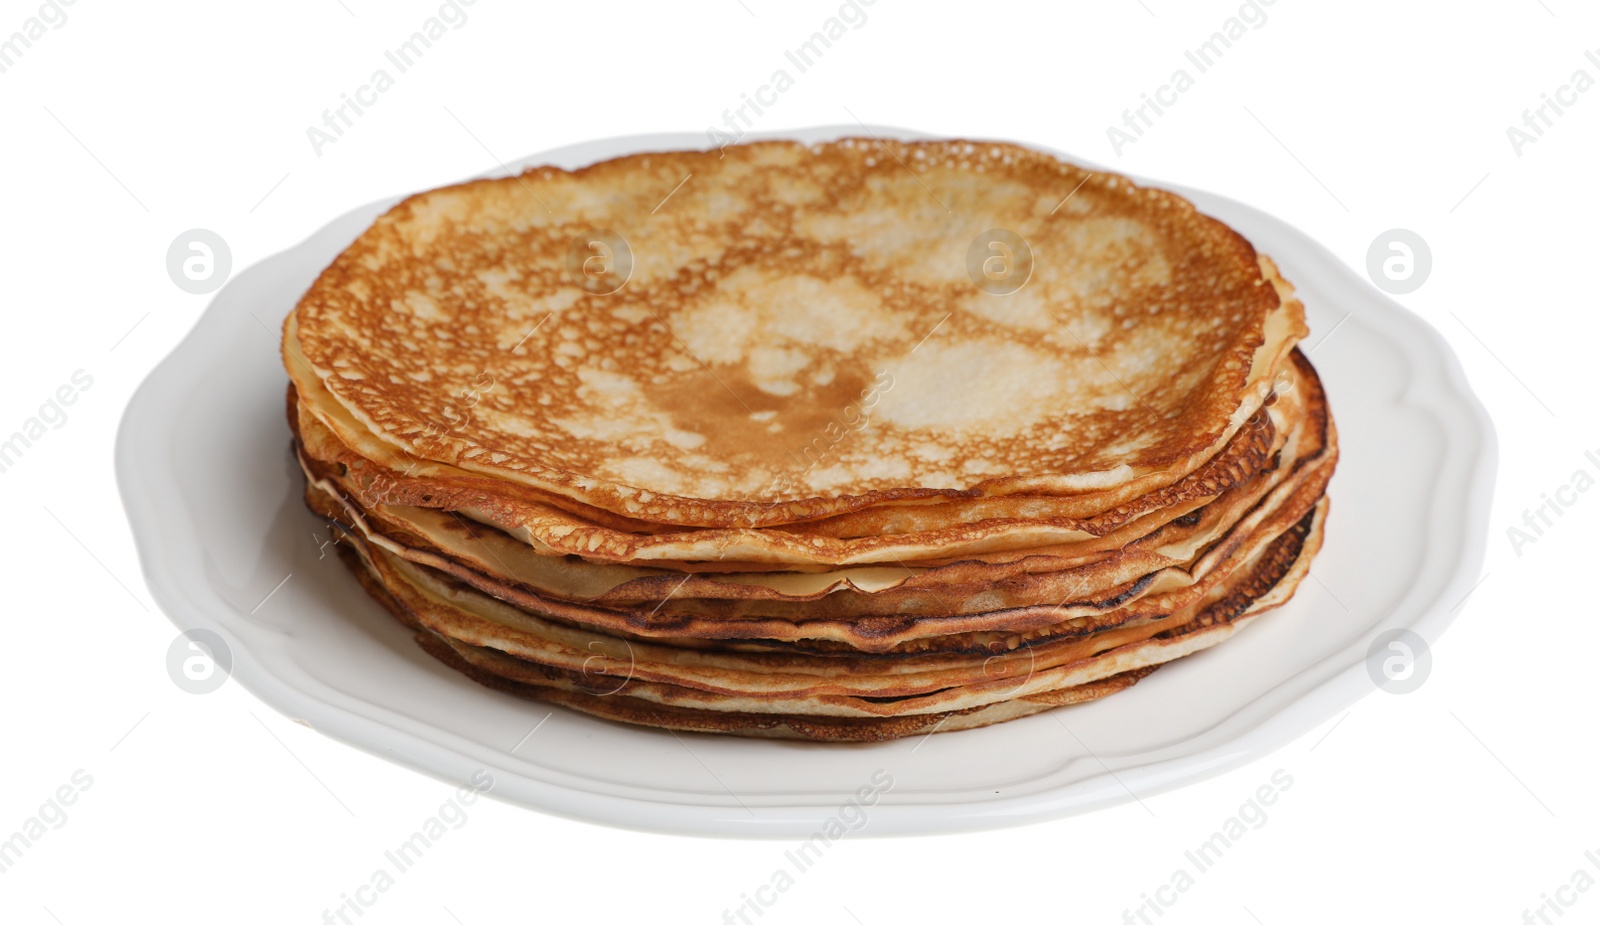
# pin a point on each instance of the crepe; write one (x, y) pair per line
(763, 302)
(780, 454)
(963, 597)
(1018, 686)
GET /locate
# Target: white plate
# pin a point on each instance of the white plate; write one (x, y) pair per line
(214, 499)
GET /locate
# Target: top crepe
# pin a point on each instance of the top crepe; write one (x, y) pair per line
(777, 333)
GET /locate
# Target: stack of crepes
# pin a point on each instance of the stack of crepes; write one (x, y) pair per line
(843, 441)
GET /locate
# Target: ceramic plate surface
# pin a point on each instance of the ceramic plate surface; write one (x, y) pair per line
(213, 496)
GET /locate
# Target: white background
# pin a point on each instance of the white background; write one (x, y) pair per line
(1462, 802)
